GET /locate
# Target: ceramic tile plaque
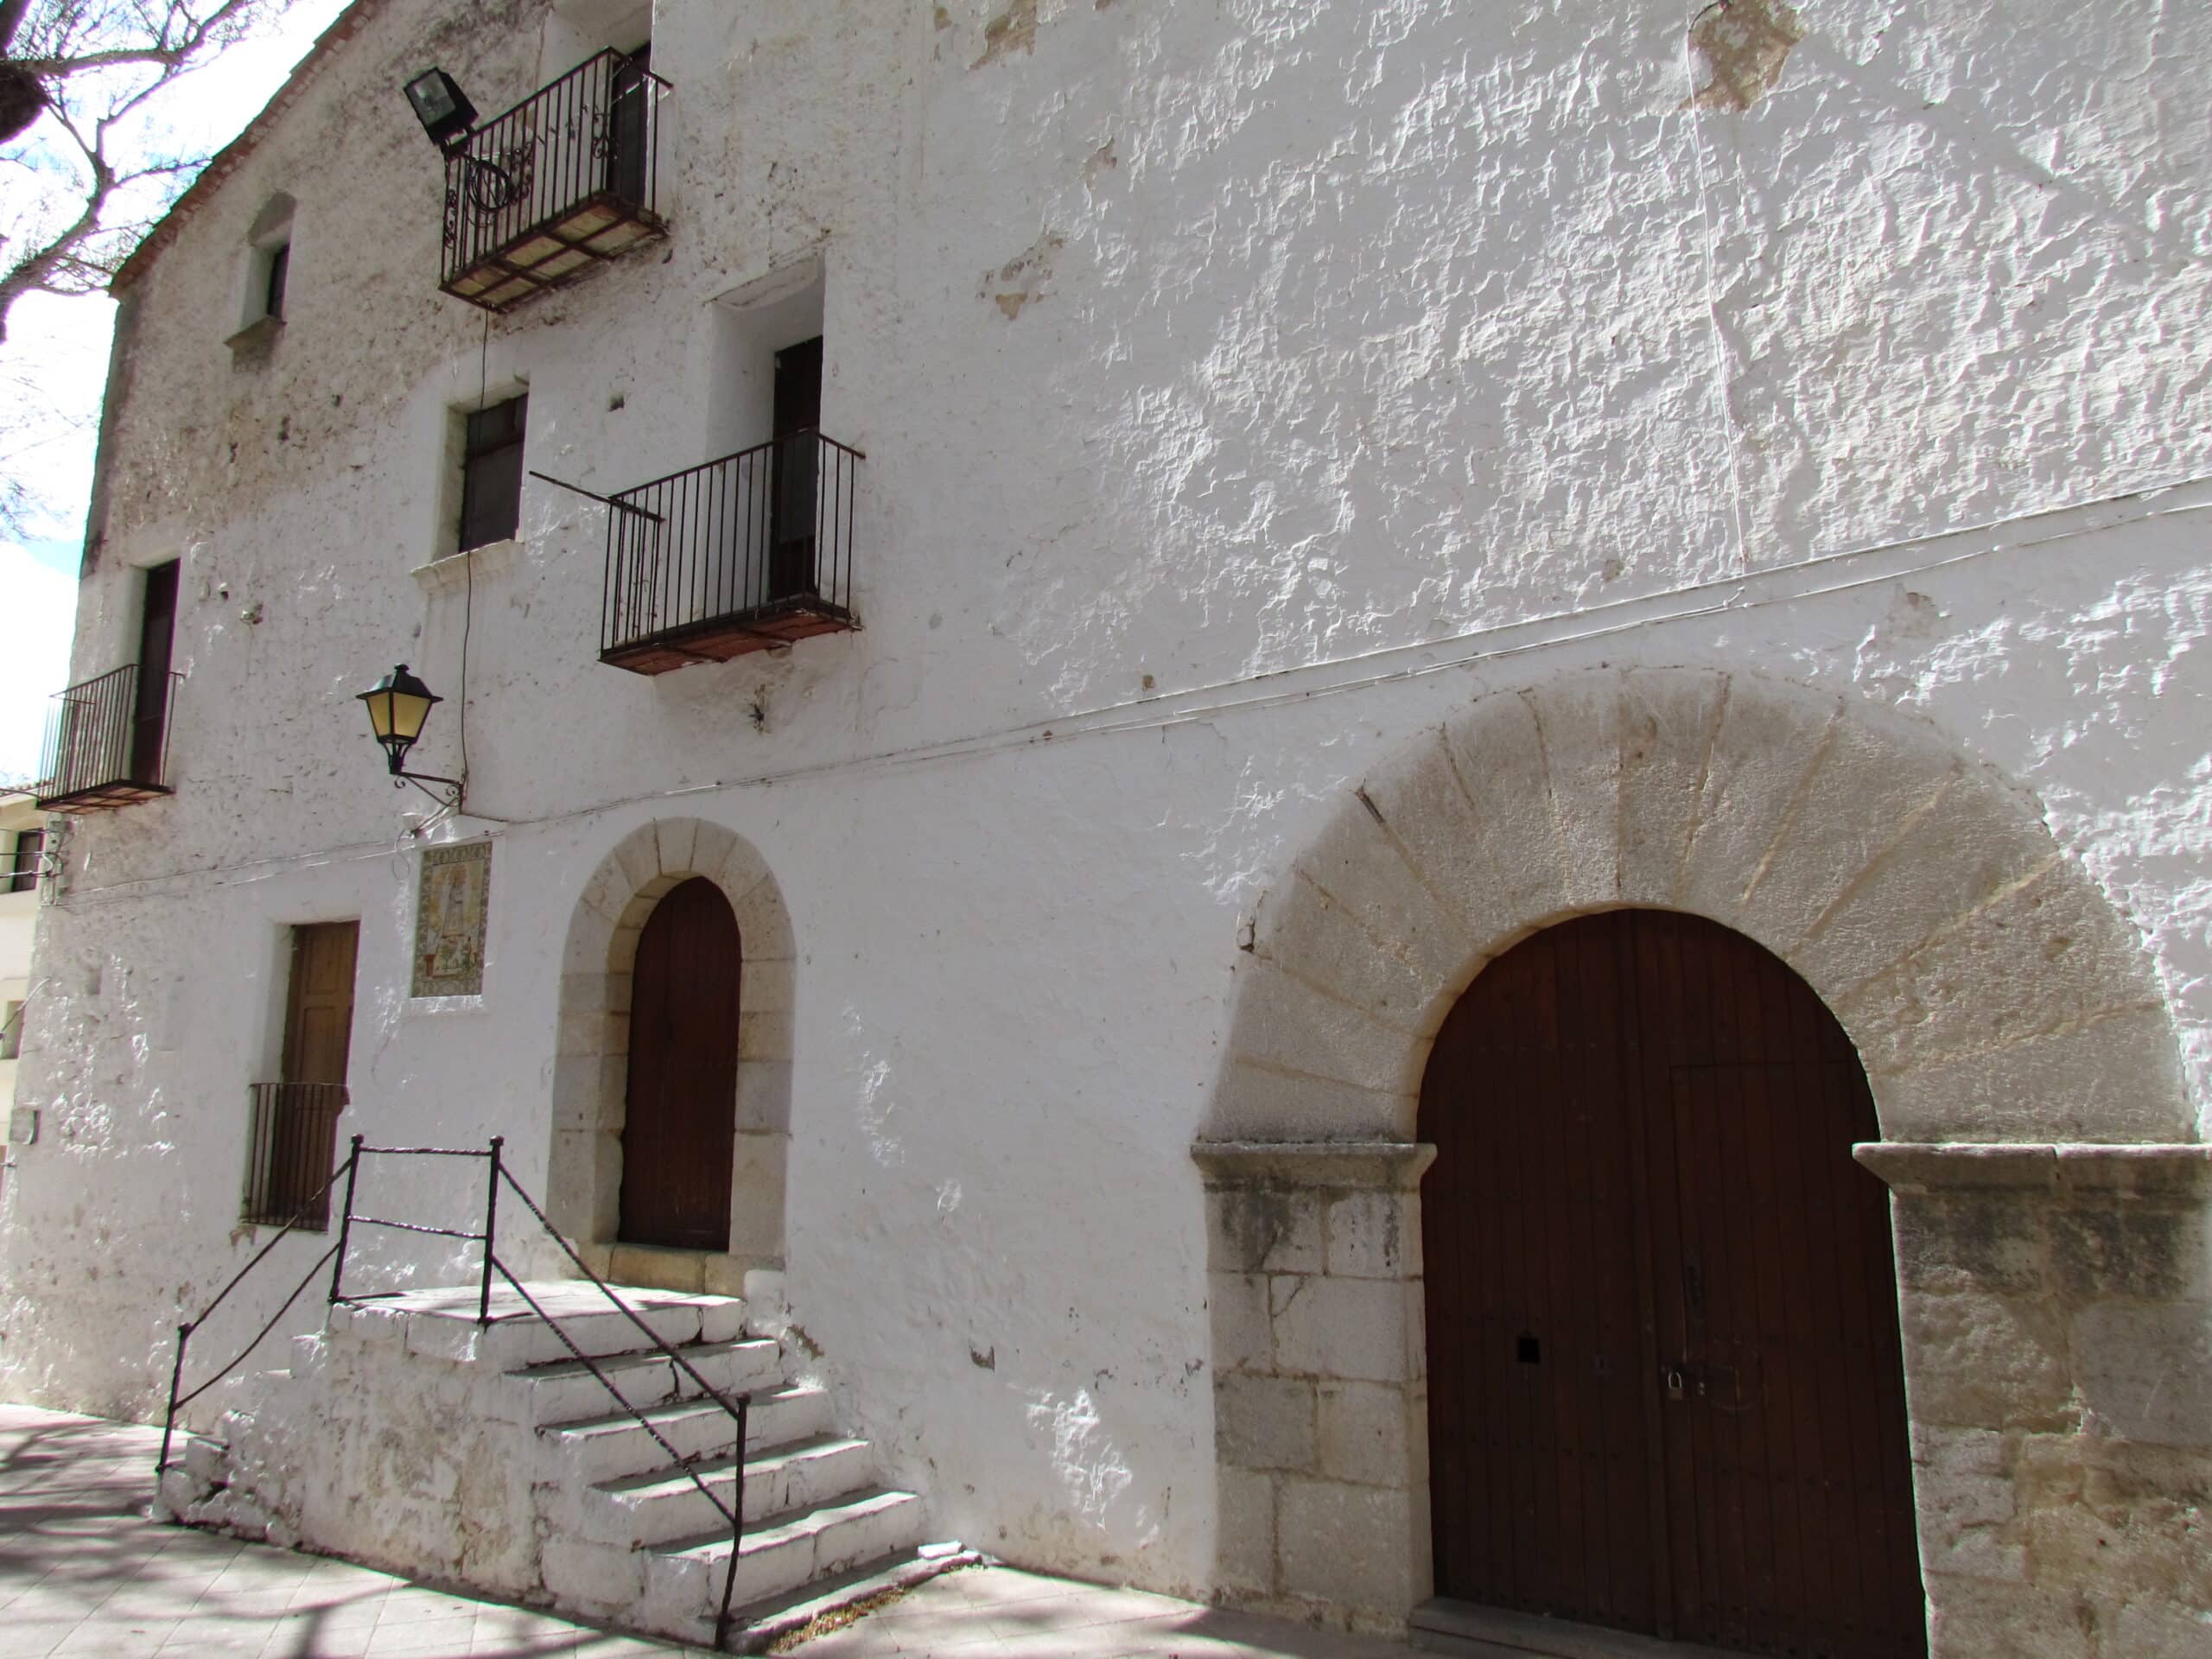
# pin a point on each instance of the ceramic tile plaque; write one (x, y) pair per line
(451, 911)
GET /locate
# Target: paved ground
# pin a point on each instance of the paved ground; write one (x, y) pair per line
(82, 1572)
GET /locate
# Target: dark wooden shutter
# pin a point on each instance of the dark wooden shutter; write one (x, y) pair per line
(491, 483)
(798, 458)
(679, 1129)
(157, 651)
(629, 128)
(23, 861)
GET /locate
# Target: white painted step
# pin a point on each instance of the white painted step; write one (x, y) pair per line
(608, 1446)
(442, 1324)
(684, 1583)
(566, 1391)
(666, 1504)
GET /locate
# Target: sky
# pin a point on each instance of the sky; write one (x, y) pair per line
(53, 370)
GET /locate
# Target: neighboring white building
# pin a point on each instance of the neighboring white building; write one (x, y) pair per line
(1263, 511)
(22, 842)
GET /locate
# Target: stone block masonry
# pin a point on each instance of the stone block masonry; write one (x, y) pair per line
(1320, 1403)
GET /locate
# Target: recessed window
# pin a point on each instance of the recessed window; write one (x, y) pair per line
(491, 474)
(11, 1031)
(272, 292)
(22, 863)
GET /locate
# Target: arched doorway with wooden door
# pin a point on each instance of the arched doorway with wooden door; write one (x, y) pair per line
(679, 1128)
(617, 1003)
(1666, 1390)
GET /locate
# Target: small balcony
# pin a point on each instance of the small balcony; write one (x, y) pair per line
(748, 553)
(563, 183)
(107, 742)
(294, 1148)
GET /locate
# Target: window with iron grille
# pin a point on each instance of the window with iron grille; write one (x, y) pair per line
(22, 863)
(491, 482)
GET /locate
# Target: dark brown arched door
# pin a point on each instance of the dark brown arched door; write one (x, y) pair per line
(679, 1131)
(1666, 1392)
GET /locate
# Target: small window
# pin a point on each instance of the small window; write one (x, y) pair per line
(491, 481)
(11, 1031)
(22, 866)
(280, 268)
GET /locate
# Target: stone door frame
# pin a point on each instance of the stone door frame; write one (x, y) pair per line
(592, 1061)
(2037, 1135)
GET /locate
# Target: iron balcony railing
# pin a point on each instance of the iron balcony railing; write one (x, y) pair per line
(107, 741)
(742, 554)
(568, 178)
(294, 1139)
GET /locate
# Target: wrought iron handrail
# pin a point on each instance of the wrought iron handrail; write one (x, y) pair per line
(738, 1407)
(592, 135)
(742, 536)
(98, 737)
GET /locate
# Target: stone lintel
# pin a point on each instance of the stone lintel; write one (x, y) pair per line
(1387, 1165)
(2143, 1170)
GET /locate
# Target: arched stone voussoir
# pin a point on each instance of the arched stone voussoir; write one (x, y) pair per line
(1579, 731)
(1919, 894)
(1862, 789)
(1297, 1028)
(1668, 719)
(1358, 865)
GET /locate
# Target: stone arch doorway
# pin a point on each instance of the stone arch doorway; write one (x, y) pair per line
(592, 1071)
(2036, 1137)
(1665, 1391)
(679, 1130)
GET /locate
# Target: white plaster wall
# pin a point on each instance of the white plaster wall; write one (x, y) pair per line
(1244, 388)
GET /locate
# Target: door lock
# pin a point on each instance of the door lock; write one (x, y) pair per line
(1675, 1382)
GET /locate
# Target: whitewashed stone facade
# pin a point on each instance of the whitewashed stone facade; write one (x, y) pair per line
(1346, 486)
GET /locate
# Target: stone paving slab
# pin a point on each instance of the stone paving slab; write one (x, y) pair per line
(1003, 1613)
(84, 1573)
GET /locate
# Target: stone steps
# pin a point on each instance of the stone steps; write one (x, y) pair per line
(684, 1579)
(607, 1447)
(565, 1391)
(602, 1515)
(664, 1504)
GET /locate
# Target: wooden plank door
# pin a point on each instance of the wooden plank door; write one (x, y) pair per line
(318, 1006)
(296, 1127)
(1666, 1392)
(156, 650)
(679, 1132)
(1788, 1463)
(1541, 1478)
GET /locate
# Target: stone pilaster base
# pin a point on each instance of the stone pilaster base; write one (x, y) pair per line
(2057, 1308)
(1321, 1401)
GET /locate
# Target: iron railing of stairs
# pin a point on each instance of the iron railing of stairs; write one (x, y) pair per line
(739, 1407)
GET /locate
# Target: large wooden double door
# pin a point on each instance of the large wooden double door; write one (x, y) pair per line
(1666, 1389)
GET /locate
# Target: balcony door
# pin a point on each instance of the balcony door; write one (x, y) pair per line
(296, 1120)
(630, 127)
(157, 650)
(679, 1132)
(798, 448)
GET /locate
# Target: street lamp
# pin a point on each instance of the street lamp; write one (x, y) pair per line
(441, 107)
(398, 704)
